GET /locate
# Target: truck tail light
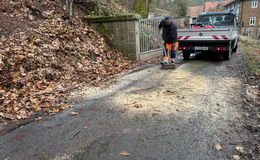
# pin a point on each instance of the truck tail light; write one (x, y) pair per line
(196, 27)
(220, 48)
(208, 27)
(183, 48)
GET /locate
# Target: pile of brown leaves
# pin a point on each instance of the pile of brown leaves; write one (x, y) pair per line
(40, 63)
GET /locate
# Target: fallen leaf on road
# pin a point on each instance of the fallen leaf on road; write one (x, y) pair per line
(125, 154)
(85, 127)
(75, 134)
(218, 147)
(240, 149)
(2, 128)
(124, 110)
(74, 113)
(38, 118)
(138, 106)
(235, 157)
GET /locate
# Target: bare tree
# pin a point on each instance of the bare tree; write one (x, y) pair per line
(69, 5)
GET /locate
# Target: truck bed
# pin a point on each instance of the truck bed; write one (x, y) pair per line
(212, 34)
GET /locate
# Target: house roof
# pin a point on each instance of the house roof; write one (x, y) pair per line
(230, 2)
(195, 10)
(216, 13)
(209, 6)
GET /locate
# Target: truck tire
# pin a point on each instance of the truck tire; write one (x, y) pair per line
(228, 53)
(235, 49)
(186, 55)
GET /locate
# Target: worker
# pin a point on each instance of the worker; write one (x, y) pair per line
(169, 39)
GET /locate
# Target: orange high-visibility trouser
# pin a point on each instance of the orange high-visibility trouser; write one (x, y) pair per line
(170, 49)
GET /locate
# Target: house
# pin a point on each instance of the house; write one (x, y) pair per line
(194, 11)
(248, 13)
(212, 6)
(161, 12)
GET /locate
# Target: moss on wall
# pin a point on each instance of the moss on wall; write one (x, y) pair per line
(101, 28)
(100, 19)
(141, 7)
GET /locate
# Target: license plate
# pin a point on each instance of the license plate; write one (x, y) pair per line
(202, 48)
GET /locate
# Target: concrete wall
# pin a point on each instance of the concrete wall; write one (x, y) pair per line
(151, 55)
(122, 32)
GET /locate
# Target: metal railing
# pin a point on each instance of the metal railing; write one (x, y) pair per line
(150, 37)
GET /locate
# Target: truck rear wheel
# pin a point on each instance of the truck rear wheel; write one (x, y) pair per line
(235, 49)
(186, 55)
(227, 54)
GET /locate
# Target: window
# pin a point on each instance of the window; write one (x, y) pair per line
(218, 20)
(252, 21)
(254, 3)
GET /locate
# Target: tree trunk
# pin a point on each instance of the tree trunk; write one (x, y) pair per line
(142, 7)
(69, 5)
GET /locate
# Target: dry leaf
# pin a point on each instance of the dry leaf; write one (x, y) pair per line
(37, 108)
(39, 70)
(85, 127)
(125, 154)
(31, 18)
(235, 157)
(240, 149)
(38, 119)
(74, 113)
(138, 106)
(2, 128)
(22, 70)
(218, 147)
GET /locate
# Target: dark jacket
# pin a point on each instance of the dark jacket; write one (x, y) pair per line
(169, 32)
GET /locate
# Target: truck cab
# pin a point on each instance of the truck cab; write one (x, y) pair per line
(213, 33)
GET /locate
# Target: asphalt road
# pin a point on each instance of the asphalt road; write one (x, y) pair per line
(152, 114)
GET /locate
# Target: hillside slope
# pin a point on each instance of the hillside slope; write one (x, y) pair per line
(42, 56)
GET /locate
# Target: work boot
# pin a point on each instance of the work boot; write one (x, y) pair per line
(172, 61)
(165, 60)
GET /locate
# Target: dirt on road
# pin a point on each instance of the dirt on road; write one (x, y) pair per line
(195, 112)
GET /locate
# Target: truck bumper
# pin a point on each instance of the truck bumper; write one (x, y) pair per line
(205, 46)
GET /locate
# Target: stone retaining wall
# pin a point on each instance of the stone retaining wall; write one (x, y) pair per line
(122, 31)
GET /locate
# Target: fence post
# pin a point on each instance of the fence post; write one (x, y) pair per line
(137, 41)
